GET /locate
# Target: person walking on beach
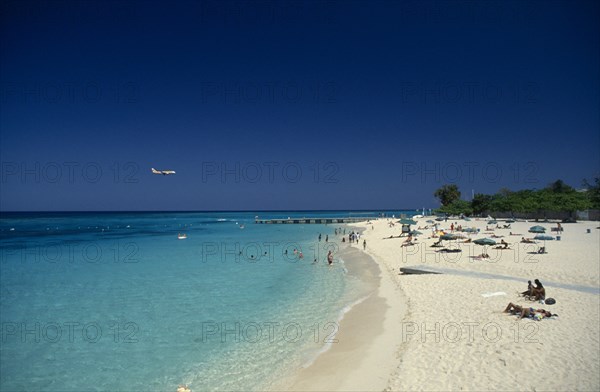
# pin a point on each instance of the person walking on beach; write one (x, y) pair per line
(330, 258)
(364, 244)
(319, 237)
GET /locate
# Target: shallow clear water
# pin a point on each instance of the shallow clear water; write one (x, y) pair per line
(115, 301)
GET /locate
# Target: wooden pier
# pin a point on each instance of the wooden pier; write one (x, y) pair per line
(308, 221)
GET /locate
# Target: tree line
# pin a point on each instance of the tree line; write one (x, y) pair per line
(557, 196)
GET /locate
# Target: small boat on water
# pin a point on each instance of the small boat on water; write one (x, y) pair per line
(242, 226)
(181, 236)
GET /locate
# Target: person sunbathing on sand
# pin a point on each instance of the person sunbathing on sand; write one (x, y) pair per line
(503, 245)
(511, 233)
(437, 244)
(449, 250)
(527, 240)
(536, 314)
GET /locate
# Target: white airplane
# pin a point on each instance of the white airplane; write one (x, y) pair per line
(163, 172)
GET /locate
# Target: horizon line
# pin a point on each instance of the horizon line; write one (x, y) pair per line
(181, 211)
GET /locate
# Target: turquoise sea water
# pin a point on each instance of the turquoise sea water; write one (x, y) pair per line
(116, 302)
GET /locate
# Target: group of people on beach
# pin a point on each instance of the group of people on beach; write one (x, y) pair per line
(353, 237)
(535, 292)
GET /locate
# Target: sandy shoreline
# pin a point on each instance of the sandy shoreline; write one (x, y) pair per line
(438, 332)
(367, 339)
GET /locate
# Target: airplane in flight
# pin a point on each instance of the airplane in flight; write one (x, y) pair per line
(163, 172)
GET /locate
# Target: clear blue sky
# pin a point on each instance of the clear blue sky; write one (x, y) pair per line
(293, 105)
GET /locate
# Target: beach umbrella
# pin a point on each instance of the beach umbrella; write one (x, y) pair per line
(467, 219)
(430, 221)
(448, 237)
(484, 241)
(469, 230)
(537, 229)
(407, 222)
(439, 219)
(543, 237)
(492, 222)
(414, 232)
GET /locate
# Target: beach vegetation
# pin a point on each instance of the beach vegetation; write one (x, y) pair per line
(557, 196)
(593, 192)
(447, 194)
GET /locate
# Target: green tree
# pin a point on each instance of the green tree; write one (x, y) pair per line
(559, 186)
(447, 194)
(481, 203)
(457, 207)
(593, 192)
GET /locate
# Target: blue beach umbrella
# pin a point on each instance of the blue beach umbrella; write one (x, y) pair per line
(484, 241)
(543, 237)
(407, 222)
(448, 237)
(537, 229)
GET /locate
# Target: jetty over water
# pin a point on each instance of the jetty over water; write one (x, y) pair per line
(308, 221)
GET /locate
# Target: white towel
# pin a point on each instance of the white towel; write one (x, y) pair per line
(486, 295)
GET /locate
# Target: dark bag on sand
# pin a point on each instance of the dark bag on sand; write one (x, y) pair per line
(550, 301)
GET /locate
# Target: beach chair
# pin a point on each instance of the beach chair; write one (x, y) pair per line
(542, 250)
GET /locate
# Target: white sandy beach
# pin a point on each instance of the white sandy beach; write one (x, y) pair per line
(438, 333)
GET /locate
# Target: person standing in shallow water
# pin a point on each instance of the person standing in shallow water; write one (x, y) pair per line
(327, 238)
(319, 237)
(330, 258)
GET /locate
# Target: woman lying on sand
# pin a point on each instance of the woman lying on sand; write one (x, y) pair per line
(536, 314)
(446, 250)
(527, 240)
